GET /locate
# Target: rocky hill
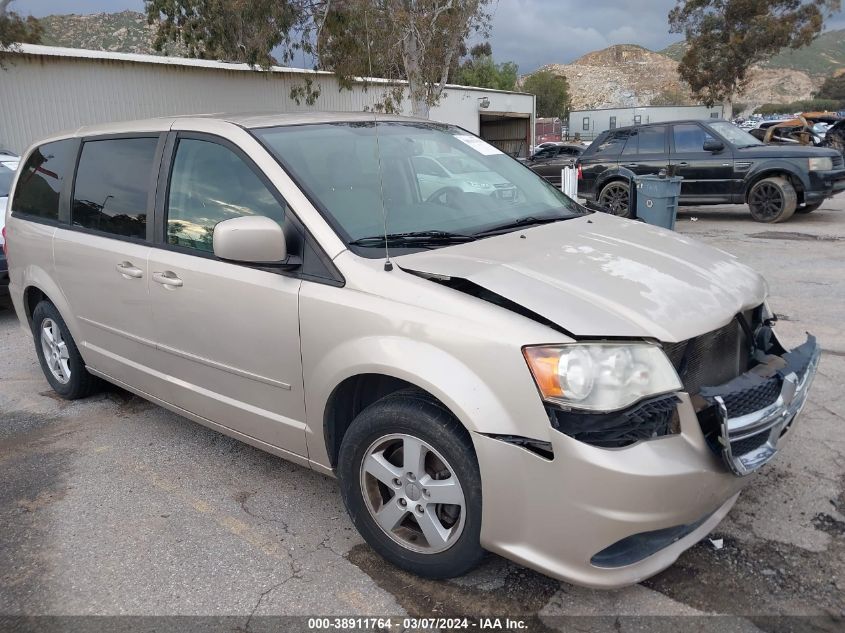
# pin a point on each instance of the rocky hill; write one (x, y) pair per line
(124, 32)
(628, 75)
(822, 58)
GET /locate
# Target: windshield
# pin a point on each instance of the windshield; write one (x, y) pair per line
(6, 176)
(734, 135)
(430, 178)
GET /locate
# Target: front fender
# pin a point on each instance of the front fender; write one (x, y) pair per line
(774, 168)
(467, 395)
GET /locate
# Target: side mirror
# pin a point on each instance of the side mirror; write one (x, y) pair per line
(251, 239)
(713, 145)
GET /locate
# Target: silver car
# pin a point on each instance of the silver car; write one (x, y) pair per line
(583, 394)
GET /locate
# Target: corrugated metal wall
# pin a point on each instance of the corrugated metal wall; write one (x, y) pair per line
(511, 135)
(42, 95)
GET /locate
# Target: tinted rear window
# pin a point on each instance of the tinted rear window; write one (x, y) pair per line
(41, 179)
(611, 145)
(112, 184)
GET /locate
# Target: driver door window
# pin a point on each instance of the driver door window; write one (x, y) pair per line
(211, 183)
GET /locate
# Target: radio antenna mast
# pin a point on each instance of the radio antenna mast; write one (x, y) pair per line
(388, 265)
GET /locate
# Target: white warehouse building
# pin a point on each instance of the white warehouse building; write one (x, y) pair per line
(48, 89)
(588, 124)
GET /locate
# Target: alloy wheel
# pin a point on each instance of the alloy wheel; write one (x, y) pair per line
(55, 351)
(616, 198)
(412, 493)
(767, 200)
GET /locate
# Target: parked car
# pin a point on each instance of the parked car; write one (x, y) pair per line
(9, 159)
(579, 393)
(549, 161)
(720, 164)
(439, 175)
(6, 176)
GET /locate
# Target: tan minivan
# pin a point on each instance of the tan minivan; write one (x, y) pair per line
(484, 366)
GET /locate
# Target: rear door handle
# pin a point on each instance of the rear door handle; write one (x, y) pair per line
(129, 271)
(683, 164)
(168, 279)
(632, 165)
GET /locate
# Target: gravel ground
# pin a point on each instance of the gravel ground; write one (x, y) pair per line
(113, 506)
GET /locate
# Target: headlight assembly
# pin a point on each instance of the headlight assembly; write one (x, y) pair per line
(600, 376)
(821, 163)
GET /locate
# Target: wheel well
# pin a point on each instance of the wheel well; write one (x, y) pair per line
(611, 180)
(793, 180)
(351, 397)
(32, 296)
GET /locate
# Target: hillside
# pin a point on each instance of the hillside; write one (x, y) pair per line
(628, 75)
(822, 58)
(124, 32)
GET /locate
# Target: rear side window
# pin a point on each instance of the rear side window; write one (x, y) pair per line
(652, 140)
(112, 185)
(210, 183)
(41, 180)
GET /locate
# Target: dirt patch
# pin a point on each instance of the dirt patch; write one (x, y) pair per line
(516, 591)
(756, 578)
(829, 524)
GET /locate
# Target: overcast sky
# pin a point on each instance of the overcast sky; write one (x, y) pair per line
(529, 32)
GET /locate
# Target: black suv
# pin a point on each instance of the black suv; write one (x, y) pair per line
(720, 164)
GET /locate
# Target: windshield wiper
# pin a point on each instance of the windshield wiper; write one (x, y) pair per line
(520, 223)
(413, 238)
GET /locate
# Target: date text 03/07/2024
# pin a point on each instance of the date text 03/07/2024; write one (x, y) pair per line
(416, 624)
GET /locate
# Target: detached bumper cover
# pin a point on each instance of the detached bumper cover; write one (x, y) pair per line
(755, 410)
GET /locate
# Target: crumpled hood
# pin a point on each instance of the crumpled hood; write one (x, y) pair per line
(600, 276)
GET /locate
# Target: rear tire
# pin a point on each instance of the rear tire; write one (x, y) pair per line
(772, 200)
(809, 208)
(58, 355)
(391, 494)
(616, 196)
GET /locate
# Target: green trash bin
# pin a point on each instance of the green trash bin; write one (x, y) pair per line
(657, 199)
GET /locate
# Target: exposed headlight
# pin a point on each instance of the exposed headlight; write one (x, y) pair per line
(601, 376)
(822, 163)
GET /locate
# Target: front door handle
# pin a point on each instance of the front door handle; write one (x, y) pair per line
(632, 165)
(129, 271)
(168, 279)
(683, 164)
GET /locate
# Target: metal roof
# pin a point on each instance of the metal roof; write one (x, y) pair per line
(139, 58)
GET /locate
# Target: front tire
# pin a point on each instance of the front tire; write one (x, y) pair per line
(411, 484)
(616, 196)
(58, 355)
(772, 200)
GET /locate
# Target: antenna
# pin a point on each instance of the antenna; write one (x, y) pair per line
(388, 265)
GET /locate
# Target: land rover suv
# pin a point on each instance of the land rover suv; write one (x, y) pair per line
(720, 164)
(577, 392)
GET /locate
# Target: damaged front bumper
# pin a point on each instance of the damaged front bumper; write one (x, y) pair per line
(749, 415)
(609, 517)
